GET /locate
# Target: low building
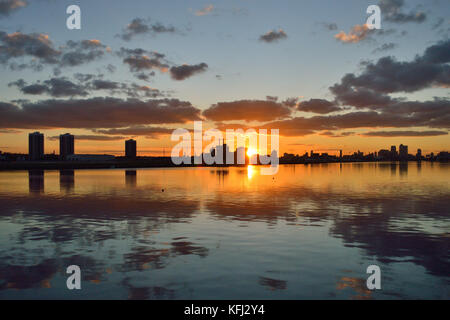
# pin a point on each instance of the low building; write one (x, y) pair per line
(89, 157)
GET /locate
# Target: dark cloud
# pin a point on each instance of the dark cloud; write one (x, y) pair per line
(439, 22)
(405, 133)
(80, 52)
(40, 49)
(84, 77)
(92, 137)
(330, 26)
(145, 76)
(392, 10)
(388, 75)
(185, 71)
(101, 84)
(248, 110)
(360, 97)
(385, 47)
(55, 87)
(96, 113)
(300, 126)
(88, 83)
(318, 106)
(150, 132)
(272, 98)
(273, 36)
(8, 6)
(139, 60)
(291, 102)
(142, 26)
(34, 45)
(331, 134)
(111, 68)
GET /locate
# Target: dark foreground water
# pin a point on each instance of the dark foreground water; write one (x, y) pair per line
(214, 233)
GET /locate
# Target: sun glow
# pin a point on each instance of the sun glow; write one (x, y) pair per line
(251, 152)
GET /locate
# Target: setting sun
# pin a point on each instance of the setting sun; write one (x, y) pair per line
(251, 152)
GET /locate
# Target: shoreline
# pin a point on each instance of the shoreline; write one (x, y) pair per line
(120, 164)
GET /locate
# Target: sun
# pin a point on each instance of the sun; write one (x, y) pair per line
(251, 152)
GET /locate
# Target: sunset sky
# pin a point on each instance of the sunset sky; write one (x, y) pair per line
(312, 69)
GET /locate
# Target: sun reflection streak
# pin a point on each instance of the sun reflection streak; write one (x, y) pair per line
(250, 171)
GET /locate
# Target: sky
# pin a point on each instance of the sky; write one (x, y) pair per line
(312, 69)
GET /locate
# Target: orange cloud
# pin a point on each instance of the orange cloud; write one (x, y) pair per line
(205, 10)
(356, 34)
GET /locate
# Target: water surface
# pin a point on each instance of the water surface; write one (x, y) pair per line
(308, 232)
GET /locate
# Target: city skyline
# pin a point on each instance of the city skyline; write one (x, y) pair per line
(67, 151)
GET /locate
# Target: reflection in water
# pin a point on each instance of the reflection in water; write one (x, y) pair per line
(66, 180)
(130, 178)
(241, 235)
(36, 181)
(393, 169)
(358, 286)
(272, 284)
(403, 168)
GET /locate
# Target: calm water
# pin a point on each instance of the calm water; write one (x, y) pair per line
(308, 232)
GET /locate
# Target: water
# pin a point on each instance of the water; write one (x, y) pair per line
(227, 233)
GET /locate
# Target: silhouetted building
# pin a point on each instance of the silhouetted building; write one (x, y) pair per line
(241, 156)
(66, 145)
(130, 148)
(419, 154)
(393, 151)
(221, 152)
(384, 154)
(36, 146)
(340, 153)
(403, 152)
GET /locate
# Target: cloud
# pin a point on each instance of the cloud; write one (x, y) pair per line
(35, 45)
(139, 60)
(8, 6)
(185, 71)
(385, 47)
(356, 34)
(301, 126)
(100, 84)
(330, 26)
(331, 134)
(149, 132)
(404, 133)
(273, 36)
(388, 75)
(318, 106)
(81, 52)
(140, 26)
(55, 87)
(206, 10)
(40, 49)
(96, 113)
(92, 137)
(247, 110)
(392, 12)
(87, 83)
